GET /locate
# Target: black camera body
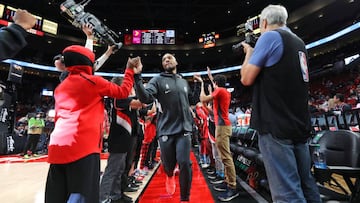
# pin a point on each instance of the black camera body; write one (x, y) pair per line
(76, 15)
(252, 33)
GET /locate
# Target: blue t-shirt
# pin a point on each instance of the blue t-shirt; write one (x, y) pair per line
(268, 49)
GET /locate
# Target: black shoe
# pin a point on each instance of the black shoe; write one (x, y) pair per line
(121, 201)
(222, 187)
(210, 171)
(212, 177)
(129, 188)
(125, 197)
(217, 180)
(150, 166)
(229, 195)
(132, 180)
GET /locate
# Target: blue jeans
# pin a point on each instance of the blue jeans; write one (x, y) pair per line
(287, 166)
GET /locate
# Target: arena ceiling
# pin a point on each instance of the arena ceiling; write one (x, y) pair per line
(310, 19)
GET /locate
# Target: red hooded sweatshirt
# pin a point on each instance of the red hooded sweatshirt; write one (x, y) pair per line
(79, 107)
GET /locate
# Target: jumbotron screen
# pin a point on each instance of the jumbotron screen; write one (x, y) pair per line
(153, 37)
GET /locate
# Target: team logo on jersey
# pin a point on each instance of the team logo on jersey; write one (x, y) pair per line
(304, 66)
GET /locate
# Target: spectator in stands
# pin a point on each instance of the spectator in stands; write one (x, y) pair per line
(223, 130)
(12, 37)
(277, 67)
(36, 126)
(340, 104)
(76, 141)
(232, 117)
(312, 107)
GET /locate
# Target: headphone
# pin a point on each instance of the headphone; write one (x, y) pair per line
(59, 57)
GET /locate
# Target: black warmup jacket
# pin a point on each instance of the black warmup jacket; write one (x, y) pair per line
(172, 93)
(12, 40)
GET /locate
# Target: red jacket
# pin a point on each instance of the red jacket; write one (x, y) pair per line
(80, 113)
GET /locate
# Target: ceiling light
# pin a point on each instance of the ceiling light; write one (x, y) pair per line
(194, 22)
(228, 11)
(320, 15)
(187, 54)
(296, 27)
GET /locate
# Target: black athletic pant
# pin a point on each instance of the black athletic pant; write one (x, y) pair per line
(74, 182)
(176, 149)
(31, 143)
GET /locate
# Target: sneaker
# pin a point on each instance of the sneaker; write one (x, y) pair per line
(126, 198)
(210, 171)
(222, 187)
(131, 187)
(217, 180)
(26, 156)
(229, 195)
(212, 177)
(176, 170)
(170, 185)
(35, 155)
(134, 181)
(205, 165)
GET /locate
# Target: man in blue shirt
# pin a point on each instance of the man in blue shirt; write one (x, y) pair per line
(277, 67)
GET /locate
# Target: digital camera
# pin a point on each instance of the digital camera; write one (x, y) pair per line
(252, 33)
(75, 14)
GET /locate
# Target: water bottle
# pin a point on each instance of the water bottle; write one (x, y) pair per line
(319, 158)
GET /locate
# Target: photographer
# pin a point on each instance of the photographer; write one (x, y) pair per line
(277, 67)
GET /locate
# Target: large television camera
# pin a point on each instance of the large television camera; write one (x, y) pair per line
(75, 14)
(252, 33)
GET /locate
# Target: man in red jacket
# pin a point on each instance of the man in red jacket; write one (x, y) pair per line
(75, 143)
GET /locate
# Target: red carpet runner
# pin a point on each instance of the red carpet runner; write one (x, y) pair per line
(156, 192)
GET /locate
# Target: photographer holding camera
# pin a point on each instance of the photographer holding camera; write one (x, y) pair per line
(277, 67)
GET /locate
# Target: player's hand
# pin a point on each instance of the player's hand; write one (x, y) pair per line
(209, 73)
(88, 30)
(247, 48)
(110, 50)
(135, 64)
(24, 19)
(197, 77)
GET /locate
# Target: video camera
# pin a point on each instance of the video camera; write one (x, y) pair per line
(76, 15)
(252, 33)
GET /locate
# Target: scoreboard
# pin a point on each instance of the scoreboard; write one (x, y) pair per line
(209, 39)
(153, 37)
(42, 25)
